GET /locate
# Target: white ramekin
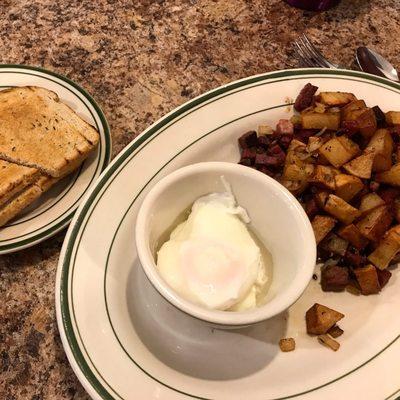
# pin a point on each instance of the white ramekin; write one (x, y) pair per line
(277, 218)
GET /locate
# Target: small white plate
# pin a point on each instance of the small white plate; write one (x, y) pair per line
(125, 342)
(54, 210)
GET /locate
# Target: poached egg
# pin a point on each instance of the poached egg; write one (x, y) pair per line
(211, 259)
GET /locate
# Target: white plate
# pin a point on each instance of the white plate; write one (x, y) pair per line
(54, 210)
(125, 342)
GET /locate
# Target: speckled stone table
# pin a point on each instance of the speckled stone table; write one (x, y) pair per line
(140, 59)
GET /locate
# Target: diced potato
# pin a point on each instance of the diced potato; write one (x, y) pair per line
(396, 209)
(347, 186)
(366, 121)
(388, 247)
(393, 117)
(296, 171)
(327, 341)
(384, 276)
(287, 344)
(384, 253)
(315, 120)
(335, 331)
(319, 108)
(340, 209)
(375, 223)
(321, 198)
(363, 116)
(361, 166)
(395, 232)
(369, 202)
(349, 145)
(381, 144)
(353, 235)
(295, 187)
(322, 225)
(264, 130)
(339, 150)
(322, 160)
(391, 177)
(336, 98)
(334, 278)
(314, 143)
(320, 319)
(335, 244)
(367, 278)
(349, 108)
(324, 176)
(293, 172)
(294, 146)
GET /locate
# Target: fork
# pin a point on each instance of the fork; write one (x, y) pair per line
(310, 55)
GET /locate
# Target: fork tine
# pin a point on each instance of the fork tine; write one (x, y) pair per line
(317, 54)
(317, 61)
(303, 57)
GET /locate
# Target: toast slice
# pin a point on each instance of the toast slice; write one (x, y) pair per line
(14, 178)
(25, 197)
(38, 131)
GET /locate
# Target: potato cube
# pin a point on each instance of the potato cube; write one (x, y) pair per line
(384, 276)
(287, 344)
(322, 160)
(293, 172)
(324, 176)
(327, 341)
(322, 225)
(396, 209)
(381, 144)
(349, 145)
(315, 120)
(296, 170)
(363, 116)
(391, 177)
(336, 98)
(264, 130)
(319, 319)
(347, 186)
(349, 108)
(369, 202)
(339, 150)
(335, 331)
(314, 143)
(353, 235)
(367, 278)
(366, 122)
(375, 223)
(384, 253)
(334, 278)
(335, 244)
(361, 166)
(341, 210)
(393, 117)
(387, 249)
(321, 198)
(295, 187)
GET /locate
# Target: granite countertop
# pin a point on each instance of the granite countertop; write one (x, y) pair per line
(140, 61)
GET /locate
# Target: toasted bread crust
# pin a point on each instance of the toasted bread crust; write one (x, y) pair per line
(38, 131)
(14, 178)
(18, 203)
(25, 197)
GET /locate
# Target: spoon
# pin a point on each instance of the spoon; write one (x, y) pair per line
(373, 63)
